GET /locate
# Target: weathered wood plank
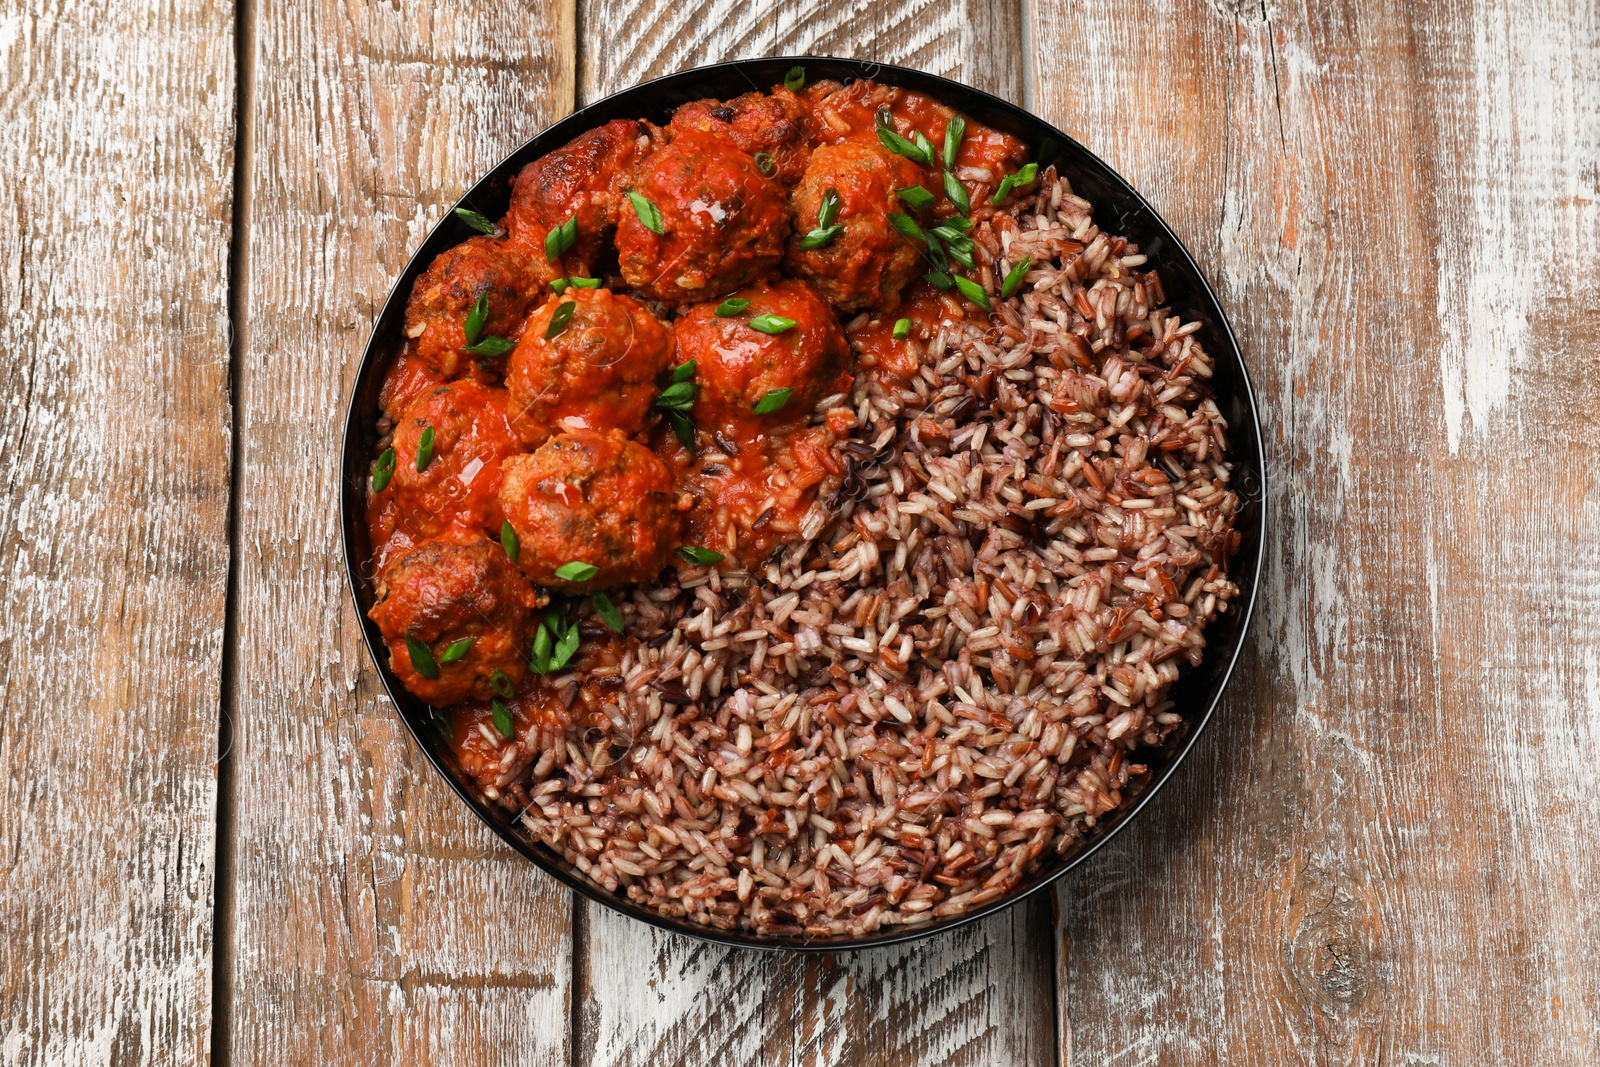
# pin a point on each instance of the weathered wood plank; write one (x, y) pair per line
(978, 996)
(1379, 855)
(374, 920)
(115, 196)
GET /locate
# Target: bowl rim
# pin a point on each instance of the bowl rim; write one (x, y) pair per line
(761, 73)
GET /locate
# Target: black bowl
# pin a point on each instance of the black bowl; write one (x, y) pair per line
(1118, 209)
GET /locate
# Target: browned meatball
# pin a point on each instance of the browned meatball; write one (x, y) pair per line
(598, 371)
(461, 479)
(738, 365)
(868, 262)
(778, 125)
(592, 498)
(443, 297)
(447, 591)
(723, 222)
(578, 180)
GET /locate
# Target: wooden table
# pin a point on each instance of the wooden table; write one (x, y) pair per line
(216, 840)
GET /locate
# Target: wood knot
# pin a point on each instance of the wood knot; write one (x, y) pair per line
(1329, 956)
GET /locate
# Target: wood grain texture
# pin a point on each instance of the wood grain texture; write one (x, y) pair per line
(979, 996)
(115, 199)
(374, 921)
(1382, 853)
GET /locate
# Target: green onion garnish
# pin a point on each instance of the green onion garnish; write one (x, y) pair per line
(509, 540)
(383, 470)
(700, 557)
(916, 197)
(491, 346)
(958, 222)
(939, 279)
(795, 80)
(1025, 176)
(957, 193)
(540, 660)
(1014, 277)
(555, 643)
(683, 372)
(771, 324)
(682, 427)
(586, 283)
(422, 660)
(972, 291)
(476, 318)
(773, 401)
(953, 131)
(607, 611)
(501, 685)
(425, 449)
(558, 240)
(730, 307)
(902, 329)
(475, 220)
(828, 210)
(648, 215)
(559, 286)
(962, 254)
(900, 146)
(819, 238)
(559, 320)
(576, 571)
(502, 719)
(907, 226)
(679, 396)
(566, 648)
(765, 164)
(456, 650)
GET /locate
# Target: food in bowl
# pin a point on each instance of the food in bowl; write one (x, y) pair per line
(798, 514)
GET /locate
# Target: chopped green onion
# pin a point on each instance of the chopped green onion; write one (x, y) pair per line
(683, 372)
(490, 346)
(950, 235)
(501, 684)
(503, 720)
(795, 80)
(924, 146)
(422, 660)
(607, 611)
(576, 571)
(682, 427)
(916, 197)
(907, 226)
(771, 324)
(540, 661)
(476, 318)
(1026, 176)
(559, 320)
(383, 470)
(475, 220)
(773, 401)
(566, 648)
(456, 650)
(939, 278)
(679, 396)
(902, 329)
(958, 222)
(648, 215)
(819, 238)
(1014, 277)
(962, 254)
(953, 131)
(828, 210)
(700, 557)
(936, 254)
(586, 283)
(558, 240)
(765, 164)
(972, 291)
(425, 449)
(559, 286)
(902, 147)
(957, 193)
(730, 307)
(509, 540)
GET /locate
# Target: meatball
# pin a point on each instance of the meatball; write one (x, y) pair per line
(868, 262)
(454, 589)
(737, 365)
(598, 371)
(778, 124)
(579, 180)
(441, 300)
(723, 222)
(459, 483)
(590, 497)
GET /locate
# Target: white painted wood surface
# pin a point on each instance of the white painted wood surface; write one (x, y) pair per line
(1384, 851)
(115, 195)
